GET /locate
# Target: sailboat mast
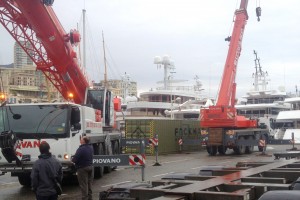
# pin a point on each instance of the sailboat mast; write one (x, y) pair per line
(105, 67)
(84, 40)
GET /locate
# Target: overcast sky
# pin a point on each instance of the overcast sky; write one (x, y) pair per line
(191, 32)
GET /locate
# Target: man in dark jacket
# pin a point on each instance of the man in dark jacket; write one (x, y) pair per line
(83, 160)
(44, 170)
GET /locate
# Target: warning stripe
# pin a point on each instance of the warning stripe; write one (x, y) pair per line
(230, 115)
(140, 161)
(262, 143)
(18, 150)
(154, 141)
(180, 141)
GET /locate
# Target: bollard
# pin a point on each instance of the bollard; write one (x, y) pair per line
(180, 142)
(262, 145)
(293, 143)
(155, 143)
(142, 151)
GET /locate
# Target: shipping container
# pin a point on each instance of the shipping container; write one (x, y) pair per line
(168, 131)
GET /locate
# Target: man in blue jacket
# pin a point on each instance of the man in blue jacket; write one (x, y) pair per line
(43, 173)
(83, 160)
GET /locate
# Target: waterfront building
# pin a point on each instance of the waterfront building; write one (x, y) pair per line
(26, 85)
(20, 56)
(121, 87)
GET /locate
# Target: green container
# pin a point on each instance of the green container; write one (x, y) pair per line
(168, 131)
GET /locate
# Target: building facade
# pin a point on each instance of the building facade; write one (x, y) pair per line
(121, 88)
(20, 56)
(26, 85)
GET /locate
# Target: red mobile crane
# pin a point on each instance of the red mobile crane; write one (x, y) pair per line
(225, 129)
(34, 25)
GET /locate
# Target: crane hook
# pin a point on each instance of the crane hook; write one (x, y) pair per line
(258, 13)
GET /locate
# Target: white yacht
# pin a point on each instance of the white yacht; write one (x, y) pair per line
(189, 109)
(168, 96)
(288, 122)
(261, 103)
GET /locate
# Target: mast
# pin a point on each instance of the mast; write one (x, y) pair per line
(83, 38)
(260, 77)
(105, 67)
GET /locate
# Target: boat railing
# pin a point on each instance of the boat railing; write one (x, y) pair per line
(178, 88)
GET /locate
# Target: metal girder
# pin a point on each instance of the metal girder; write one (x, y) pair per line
(288, 175)
(171, 197)
(239, 184)
(263, 180)
(244, 194)
(287, 155)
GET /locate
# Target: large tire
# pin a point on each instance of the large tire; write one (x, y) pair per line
(24, 179)
(98, 171)
(222, 150)
(211, 150)
(249, 149)
(240, 149)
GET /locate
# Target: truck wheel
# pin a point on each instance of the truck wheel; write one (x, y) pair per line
(239, 149)
(211, 150)
(98, 171)
(24, 179)
(222, 150)
(116, 148)
(249, 149)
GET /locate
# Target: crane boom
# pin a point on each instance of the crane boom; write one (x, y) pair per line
(226, 94)
(35, 26)
(223, 114)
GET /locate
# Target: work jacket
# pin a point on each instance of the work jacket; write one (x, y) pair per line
(44, 170)
(83, 156)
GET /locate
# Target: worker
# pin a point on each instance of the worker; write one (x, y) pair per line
(83, 160)
(46, 175)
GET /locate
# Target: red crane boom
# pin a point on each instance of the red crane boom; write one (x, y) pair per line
(224, 114)
(34, 25)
